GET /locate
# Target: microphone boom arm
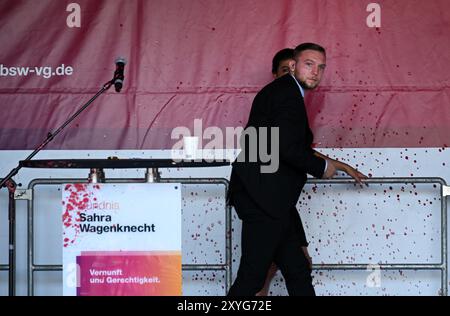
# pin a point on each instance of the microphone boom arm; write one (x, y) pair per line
(51, 136)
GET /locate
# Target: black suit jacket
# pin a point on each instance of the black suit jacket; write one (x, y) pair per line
(279, 104)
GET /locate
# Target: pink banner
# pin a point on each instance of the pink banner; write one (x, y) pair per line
(129, 273)
(386, 83)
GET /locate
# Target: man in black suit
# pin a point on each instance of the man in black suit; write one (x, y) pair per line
(264, 193)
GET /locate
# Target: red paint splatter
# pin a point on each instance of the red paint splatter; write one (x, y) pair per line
(77, 202)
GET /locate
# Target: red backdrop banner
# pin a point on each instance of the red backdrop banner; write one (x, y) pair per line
(386, 83)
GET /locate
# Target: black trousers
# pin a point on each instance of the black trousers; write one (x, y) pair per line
(266, 240)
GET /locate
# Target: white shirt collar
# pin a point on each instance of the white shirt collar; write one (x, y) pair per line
(299, 86)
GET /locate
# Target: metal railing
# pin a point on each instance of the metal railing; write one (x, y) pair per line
(442, 266)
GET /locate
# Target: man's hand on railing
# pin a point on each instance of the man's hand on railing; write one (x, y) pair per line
(334, 165)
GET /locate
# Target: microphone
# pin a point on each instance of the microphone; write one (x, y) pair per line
(118, 74)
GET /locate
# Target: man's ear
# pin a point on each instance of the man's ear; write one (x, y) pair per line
(291, 65)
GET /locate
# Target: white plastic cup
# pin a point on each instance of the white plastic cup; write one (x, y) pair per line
(190, 146)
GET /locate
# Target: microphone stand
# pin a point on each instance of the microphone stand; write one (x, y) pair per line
(11, 185)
